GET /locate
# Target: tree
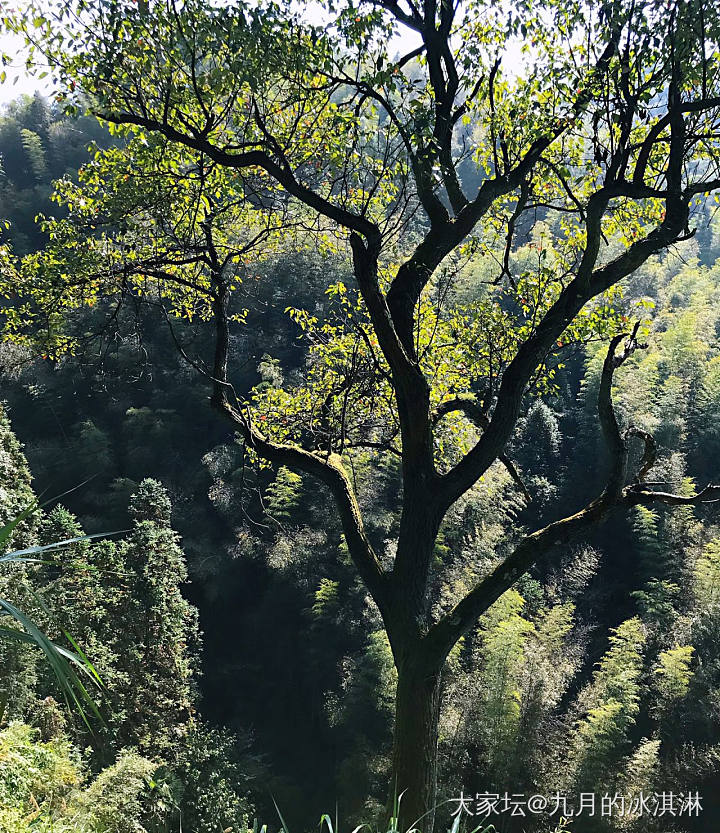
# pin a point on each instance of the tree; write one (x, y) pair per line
(612, 705)
(18, 662)
(248, 128)
(38, 143)
(19, 524)
(148, 663)
(71, 585)
(157, 655)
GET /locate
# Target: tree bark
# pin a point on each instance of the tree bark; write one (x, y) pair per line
(417, 712)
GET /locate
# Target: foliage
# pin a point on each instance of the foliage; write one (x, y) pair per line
(124, 603)
(674, 672)
(487, 218)
(612, 703)
(38, 144)
(43, 787)
(73, 671)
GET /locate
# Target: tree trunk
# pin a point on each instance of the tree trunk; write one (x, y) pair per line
(417, 711)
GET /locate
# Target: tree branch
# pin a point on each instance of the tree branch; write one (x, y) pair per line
(329, 469)
(587, 284)
(473, 410)
(649, 454)
(444, 634)
(445, 235)
(258, 158)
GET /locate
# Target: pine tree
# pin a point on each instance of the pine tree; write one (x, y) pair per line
(16, 493)
(157, 643)
(19, 664)
(84, 588)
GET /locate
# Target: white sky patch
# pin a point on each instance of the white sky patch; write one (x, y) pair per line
(14, 46)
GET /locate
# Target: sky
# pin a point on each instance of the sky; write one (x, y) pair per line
(11, 89)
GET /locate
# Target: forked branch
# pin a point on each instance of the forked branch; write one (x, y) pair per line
(444, 634)
(476, 412)
(327, 468)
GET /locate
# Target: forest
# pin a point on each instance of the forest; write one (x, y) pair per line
(359, 438)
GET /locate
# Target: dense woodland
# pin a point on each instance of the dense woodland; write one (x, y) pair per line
(244, 661)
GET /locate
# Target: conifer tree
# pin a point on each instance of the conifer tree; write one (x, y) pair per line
(19, 663)
(157, 641)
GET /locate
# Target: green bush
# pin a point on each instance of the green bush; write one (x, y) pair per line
(119, 798)
(44, 788)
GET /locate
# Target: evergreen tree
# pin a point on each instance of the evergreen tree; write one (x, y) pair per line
(19, 663)
(155, 646)
(123, 603)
